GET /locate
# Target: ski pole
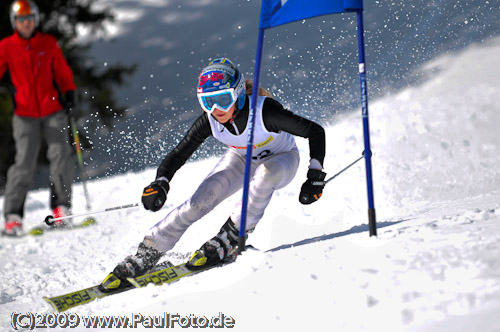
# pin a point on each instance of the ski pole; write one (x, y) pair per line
(83, 177)
(49, 220)
(342, 171)
(305, 197)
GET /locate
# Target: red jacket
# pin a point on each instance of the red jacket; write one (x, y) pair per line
(35, 65)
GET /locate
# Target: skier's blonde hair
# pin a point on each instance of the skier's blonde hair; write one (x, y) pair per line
(262, 91)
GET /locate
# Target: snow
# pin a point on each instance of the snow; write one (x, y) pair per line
(434, 265)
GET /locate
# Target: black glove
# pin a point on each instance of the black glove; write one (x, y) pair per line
(70, 103)
(155, 195)
(312, 189)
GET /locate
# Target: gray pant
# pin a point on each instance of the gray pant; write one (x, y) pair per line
(28, 136)
(226, 178)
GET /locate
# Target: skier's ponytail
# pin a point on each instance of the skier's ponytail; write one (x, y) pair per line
(262, 91)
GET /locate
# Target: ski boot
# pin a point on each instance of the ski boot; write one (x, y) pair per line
(220, 249)
(132, 266)
(60, 212)
(13, 225)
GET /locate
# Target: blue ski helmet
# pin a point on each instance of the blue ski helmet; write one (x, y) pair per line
(220, 74)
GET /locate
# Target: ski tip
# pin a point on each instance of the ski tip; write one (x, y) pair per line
(52, 304)
(89, 221)
(36, 231)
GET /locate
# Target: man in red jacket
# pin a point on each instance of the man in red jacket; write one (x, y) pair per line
(40, 76)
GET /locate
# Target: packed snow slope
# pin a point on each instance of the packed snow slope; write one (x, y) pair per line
(435, 265)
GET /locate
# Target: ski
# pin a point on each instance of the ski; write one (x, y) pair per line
(67, 301)
(169, 275)
(40, 230)
(163, 273)
(174, 273)
(89, 221)
(163, 276)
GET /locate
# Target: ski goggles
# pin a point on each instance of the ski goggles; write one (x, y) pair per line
(222, 100)
(22, 19)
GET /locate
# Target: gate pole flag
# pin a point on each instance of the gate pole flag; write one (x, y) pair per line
(278, 12)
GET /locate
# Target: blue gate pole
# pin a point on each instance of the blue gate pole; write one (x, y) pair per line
(251, 123)
(372, 222)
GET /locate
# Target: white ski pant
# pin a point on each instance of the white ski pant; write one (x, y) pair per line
(268, 175)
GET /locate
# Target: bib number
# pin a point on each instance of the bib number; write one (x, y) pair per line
(262, 155)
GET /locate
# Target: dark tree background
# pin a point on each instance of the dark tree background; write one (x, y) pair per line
(95, 85)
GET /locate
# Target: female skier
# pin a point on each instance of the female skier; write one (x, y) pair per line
(224, 99)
